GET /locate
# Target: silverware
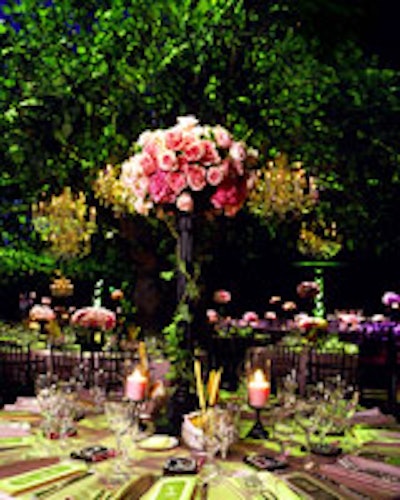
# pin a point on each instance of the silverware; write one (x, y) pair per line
(204, 491)
(62, 484)
(349, 465)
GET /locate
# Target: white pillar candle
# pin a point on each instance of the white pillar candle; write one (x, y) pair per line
(136, 385)
(258, 389)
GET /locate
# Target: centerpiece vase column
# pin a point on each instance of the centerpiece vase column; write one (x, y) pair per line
(182, 400)
(185, 254)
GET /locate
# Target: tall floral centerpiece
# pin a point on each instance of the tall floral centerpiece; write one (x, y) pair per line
(174, 173)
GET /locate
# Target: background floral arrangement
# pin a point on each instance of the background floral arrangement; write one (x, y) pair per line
(41, 312)
(94, 317)
(178, 167)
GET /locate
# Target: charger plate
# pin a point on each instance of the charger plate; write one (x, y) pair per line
(158, 442)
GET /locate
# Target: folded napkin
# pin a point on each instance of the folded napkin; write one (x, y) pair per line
(374, 467)
(32, 479)
(24, 404)
(14, 429)
(372, 416)
(362, 482)
(14, 468)
(4, 496)
(7, 442)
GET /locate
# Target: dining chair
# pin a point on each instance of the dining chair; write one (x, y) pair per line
(379, 369)
(284, 359)
(65, 365)
(327, 364)
(110, 368)
(15, 374)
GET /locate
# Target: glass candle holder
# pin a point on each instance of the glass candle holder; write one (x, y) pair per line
(258, 376)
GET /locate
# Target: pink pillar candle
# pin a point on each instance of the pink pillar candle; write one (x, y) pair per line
(135, 386)
(258, 389)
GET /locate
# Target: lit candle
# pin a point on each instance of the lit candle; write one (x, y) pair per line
(136, 385)
(258, 389)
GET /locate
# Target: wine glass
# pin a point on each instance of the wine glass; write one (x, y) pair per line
(118, 414)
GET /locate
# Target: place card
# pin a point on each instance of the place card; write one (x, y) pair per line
(176, 487)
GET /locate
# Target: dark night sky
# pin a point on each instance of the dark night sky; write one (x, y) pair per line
(382, 31)
(373, 24)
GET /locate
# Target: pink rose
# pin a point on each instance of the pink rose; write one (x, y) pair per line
(167, 160)
(237, 151)
(176, 181)
(222, 296)
(142, 207)
(147, 163)
(194, 150)
(230, 195)
(183, 164)
(307, 289)
(184, 202)
(187, 122)
(41, 312)
(210, 155)
(196, 177)
(152, 148)
(238, 167)
(215, 175)
(212, 316)
(271, 315)
(159, 188)
(250, 317)
(173, 139)
(289, 305)
(222, 137)
(94, 317)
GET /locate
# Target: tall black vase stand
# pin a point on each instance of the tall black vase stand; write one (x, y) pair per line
(182, 400)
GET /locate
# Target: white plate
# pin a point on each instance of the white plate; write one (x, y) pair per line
(158, 442)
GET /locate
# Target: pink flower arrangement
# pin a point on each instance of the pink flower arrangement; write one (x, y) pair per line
(222, 297)
(41, 312)
(212, 316)
(94, 317)
(307, 289)
(250, 317)
(307, 323)
(175, 166)
(391, 299)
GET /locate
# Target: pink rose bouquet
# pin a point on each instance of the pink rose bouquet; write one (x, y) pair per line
(94, 317)
(222, 296)
(391, 299)
(307, 289)
(41, 312)
(178, 167)
(250, 317)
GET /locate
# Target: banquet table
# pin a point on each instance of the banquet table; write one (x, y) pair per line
(378, 439)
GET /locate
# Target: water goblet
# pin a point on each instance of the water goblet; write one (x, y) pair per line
(118, 414)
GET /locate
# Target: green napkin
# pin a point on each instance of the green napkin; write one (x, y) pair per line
(15, 442)
(32, 479)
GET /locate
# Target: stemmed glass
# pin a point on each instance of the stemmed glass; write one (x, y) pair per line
(211, 444)
(66, 411)
(118, 414)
